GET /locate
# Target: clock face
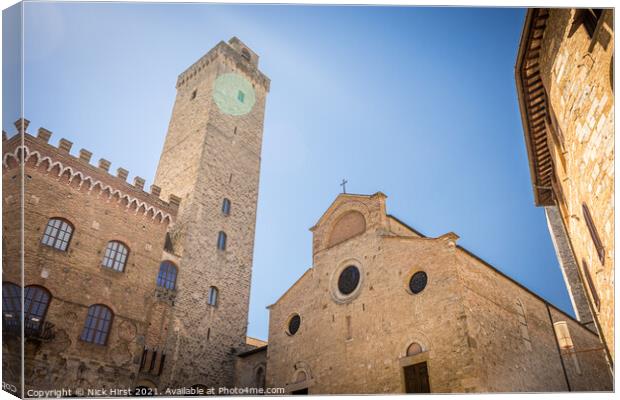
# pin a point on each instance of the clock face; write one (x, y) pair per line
(233, 94)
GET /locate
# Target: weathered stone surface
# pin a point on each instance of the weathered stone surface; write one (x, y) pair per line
(575, 67)
(478, 330)
(209, 156)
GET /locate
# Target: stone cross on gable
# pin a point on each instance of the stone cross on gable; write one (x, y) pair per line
(344, 185)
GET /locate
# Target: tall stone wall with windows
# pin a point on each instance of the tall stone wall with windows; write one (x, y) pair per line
(212, 153)
(576, 67)
(100, 208)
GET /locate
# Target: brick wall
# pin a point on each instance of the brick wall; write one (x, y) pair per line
(101, 208)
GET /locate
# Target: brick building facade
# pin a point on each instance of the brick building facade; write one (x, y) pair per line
(564, 76)
(124, 289)
(385, 309)
(92, 250)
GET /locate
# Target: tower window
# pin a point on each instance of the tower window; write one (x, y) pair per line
(240, 96)
(97, 325)
(193, 94)
(245, 54)
(221, 241)
(57, 234)
(226, 207)
(212, 298)
(115, 256)
(167, 277)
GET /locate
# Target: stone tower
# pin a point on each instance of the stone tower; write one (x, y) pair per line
(211, 156)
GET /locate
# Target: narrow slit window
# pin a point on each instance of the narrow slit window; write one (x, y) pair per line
(221, 241)
(212, 298)
(240, 96)
(226, 207)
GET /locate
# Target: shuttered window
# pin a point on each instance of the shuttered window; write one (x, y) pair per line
(598, 244)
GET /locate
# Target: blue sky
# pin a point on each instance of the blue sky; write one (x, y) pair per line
(418, 103)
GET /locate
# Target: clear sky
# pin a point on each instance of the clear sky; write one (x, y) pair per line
(417, 103)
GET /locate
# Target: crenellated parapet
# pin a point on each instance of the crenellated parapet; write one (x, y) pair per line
(232, 52)
(78, 172)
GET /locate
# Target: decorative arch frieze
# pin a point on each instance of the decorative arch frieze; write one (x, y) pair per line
(92, 185)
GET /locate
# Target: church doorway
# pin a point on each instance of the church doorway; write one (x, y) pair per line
(300, 391)
(416, 378)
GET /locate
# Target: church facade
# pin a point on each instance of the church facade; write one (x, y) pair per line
(385, 309)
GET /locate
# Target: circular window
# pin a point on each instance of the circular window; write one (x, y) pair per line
(418, 282)
(293, 324)
(348, 280)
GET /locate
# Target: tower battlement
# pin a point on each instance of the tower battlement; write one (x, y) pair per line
(237, 53)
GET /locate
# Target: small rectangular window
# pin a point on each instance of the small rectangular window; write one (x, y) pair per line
(193, 94)
(596, 239)
(595, 298)
(240, 96)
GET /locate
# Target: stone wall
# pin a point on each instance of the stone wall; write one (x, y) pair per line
(210, 155)
(467, 320)
(250, 369)
(577, 74)
(512, 335)
(101, 208)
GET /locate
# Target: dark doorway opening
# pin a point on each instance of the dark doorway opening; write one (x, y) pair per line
(416, 378)
(300, 391)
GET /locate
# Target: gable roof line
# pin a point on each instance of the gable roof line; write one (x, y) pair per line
(338, 197)
(290, 288)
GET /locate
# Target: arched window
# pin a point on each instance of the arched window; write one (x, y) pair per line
(97, 325)
(36, 301)
(221, 241)
(413, 349)
(115, 256)
(11, 302)
(57, 234)
(226, 207)
(167, 277)
(212, 299)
